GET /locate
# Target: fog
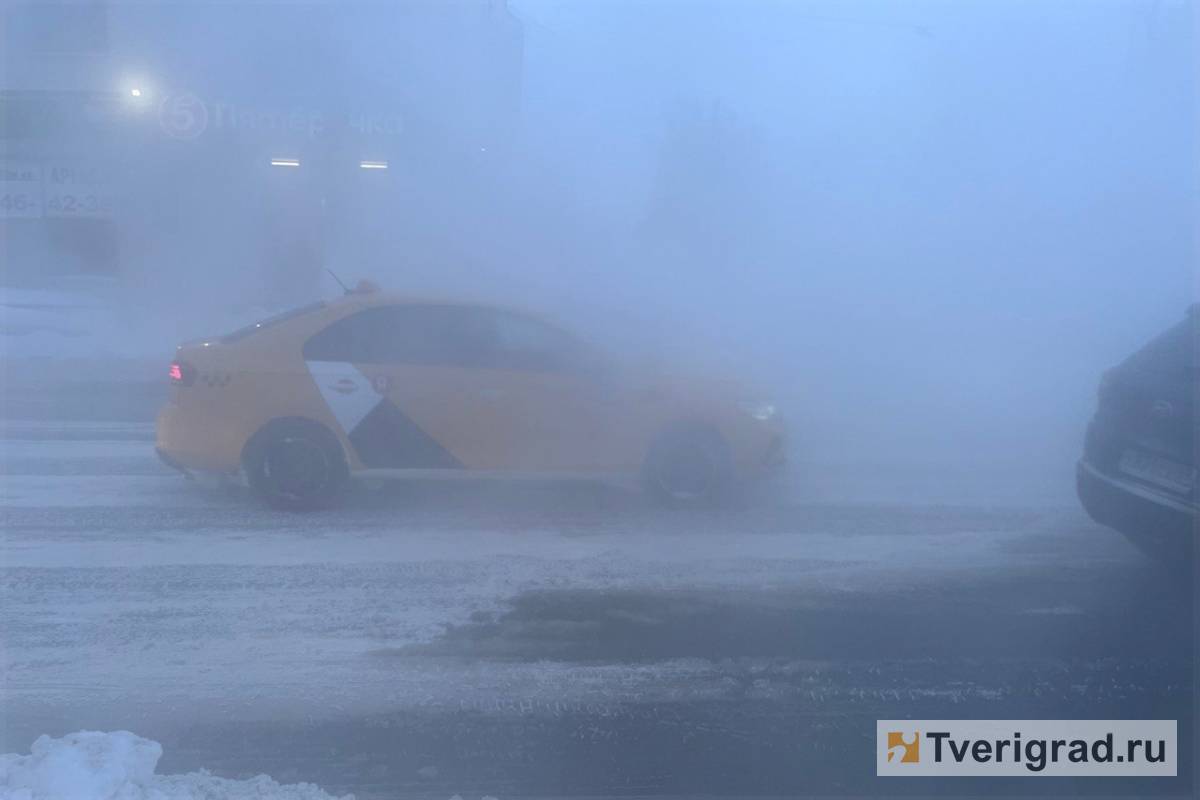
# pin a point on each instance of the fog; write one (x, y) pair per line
(925, 228)
(932, 224)
(921, 230)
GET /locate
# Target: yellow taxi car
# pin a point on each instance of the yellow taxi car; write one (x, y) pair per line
(381, 385)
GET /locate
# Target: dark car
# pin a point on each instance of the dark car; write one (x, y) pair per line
(1138, 471)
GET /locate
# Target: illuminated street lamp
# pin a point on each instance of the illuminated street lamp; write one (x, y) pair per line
(373, 165)
(285, 162)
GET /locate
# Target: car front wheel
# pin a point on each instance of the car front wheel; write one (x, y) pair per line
(689, 467)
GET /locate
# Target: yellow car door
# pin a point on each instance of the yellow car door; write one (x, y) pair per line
(551, 394)
(405, 388)
(426, 386)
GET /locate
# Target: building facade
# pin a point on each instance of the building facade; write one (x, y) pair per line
(182, 144)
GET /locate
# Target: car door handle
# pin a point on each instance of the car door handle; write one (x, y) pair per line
(344, 386)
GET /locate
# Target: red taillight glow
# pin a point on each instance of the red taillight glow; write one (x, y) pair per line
(182, 373)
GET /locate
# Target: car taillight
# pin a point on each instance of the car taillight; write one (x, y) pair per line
(182, 373)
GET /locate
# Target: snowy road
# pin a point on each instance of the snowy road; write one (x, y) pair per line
(535, 640)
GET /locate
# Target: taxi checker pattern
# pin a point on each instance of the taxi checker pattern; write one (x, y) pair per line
(383, 436)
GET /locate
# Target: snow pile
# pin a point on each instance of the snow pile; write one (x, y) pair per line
(90, 765)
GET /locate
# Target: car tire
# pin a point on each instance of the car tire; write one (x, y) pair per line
(296, 465)
(689, 467)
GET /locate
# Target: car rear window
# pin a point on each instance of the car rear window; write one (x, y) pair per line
(242, 333)
(1172, 351)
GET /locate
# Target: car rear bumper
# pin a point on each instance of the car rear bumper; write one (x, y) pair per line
(188, 443)
(1153, 520)
(1160, 501)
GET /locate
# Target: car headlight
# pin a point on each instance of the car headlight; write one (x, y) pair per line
(759, 410)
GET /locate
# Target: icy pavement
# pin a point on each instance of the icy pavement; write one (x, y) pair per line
(535, 640)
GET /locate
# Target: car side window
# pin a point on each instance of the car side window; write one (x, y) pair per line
(431, 336)
(526, 343)
(347, 339)
(470, 336)
(409, 334)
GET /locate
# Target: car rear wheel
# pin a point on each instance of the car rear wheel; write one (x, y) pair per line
(689, 467)
(296, 465)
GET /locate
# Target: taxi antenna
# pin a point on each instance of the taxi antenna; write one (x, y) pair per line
(345, 288)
